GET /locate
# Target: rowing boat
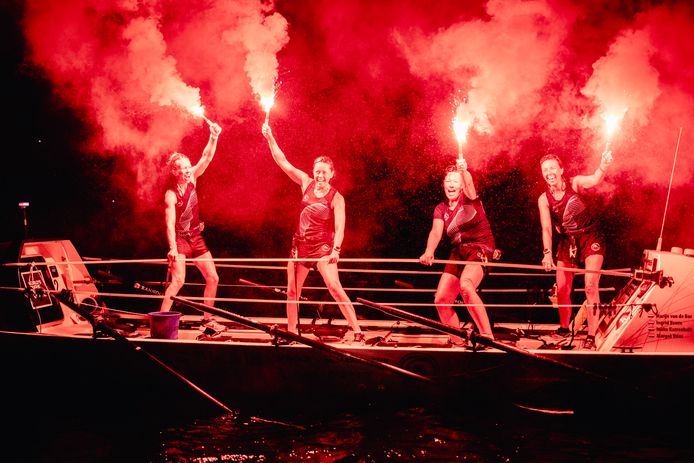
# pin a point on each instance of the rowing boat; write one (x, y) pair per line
(61, 344)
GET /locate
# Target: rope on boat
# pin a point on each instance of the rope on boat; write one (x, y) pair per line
(305, 302)
(375, 289)
(319, 302)
(406, 288)
(222, 260)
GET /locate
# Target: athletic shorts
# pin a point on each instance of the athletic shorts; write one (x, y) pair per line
(573, 250)
(310, 250)
(192, 245)
(468, 252)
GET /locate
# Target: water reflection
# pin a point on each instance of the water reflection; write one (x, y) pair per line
(366, 435)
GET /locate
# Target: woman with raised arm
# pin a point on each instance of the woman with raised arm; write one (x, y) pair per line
(464, 221)
(184, 227)
(319, 235)
(579, 239)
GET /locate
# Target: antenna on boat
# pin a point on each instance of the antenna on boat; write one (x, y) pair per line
(23, 206)
(669, 188)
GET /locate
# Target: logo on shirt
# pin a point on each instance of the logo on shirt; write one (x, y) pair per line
(595, 247)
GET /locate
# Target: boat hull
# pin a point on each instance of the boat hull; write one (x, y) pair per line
(47, 372)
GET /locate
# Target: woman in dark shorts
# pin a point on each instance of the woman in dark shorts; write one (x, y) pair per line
(319, 235)
(579, 239)
(184, 227)
(464, 221)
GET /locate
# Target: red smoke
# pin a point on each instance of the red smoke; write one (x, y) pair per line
(372, 85)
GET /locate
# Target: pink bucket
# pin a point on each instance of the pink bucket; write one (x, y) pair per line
(164, 325)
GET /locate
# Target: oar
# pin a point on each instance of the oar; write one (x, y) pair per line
(474, 337)
(404, 284)
(134, 284)
(319, 307)
(65, 297)
(277, 332)
(268, 288)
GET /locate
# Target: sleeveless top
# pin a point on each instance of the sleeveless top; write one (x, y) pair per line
(317, 218)
(187, 213)
(570, 214)
(466, 224)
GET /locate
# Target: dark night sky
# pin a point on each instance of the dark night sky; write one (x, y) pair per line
(370, 84)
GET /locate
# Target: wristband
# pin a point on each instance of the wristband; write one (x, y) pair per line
(337, 249)
(546, 251)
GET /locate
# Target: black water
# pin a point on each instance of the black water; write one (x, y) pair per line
(370, 435)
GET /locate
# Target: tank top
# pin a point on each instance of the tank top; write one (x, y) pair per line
(187, 214)
(317, 218)
(570, 214)
(466, 224)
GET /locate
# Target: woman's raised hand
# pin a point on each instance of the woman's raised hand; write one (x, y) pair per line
(267, 132)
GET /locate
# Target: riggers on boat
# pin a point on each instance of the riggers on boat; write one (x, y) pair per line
(62, 345)
(654, 312)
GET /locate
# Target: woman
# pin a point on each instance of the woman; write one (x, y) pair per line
(319, 235)
(184, 228)
(465, 223)
(579, 239)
